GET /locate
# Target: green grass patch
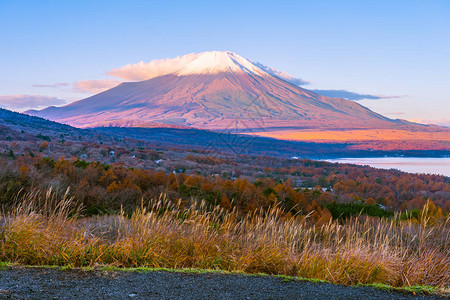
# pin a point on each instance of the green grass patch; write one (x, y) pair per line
(418, 289)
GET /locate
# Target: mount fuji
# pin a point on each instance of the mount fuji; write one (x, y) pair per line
(217, 90)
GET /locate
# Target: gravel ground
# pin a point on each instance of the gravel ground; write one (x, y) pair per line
(46, 283)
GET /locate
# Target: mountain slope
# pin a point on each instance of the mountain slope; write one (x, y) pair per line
(217, 90)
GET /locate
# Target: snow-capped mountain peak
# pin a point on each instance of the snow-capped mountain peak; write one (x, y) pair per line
(213, 62)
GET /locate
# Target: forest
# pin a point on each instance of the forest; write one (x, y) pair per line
(305, 187)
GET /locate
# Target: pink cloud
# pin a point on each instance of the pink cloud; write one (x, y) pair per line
(25, 102)
(160, 67)
(95, 86)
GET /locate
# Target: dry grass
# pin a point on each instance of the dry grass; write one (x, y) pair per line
(41, 232)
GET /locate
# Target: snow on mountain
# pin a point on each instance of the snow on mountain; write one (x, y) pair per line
(214, 62)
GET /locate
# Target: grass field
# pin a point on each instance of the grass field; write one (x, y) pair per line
(49, 231)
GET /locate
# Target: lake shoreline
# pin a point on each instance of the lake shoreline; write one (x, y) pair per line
(417, 165)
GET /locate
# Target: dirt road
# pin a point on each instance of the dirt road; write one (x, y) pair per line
(46, 283)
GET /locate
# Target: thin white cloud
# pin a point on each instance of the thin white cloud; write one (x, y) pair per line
(441, 122)
(283, 75)
(53, 85)
(95, 86)
(352, 95)
(396, 113)
(25, 102)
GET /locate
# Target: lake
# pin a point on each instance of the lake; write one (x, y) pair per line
(408, 164)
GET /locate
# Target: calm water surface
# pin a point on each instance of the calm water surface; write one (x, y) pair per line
(407, 164)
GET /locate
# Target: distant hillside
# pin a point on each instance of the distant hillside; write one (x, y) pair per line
(238, 144)
(29, 132)
(18, 120)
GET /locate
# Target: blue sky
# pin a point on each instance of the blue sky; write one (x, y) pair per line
(381, 48)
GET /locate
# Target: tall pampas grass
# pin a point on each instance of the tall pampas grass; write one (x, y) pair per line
(49, 230)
